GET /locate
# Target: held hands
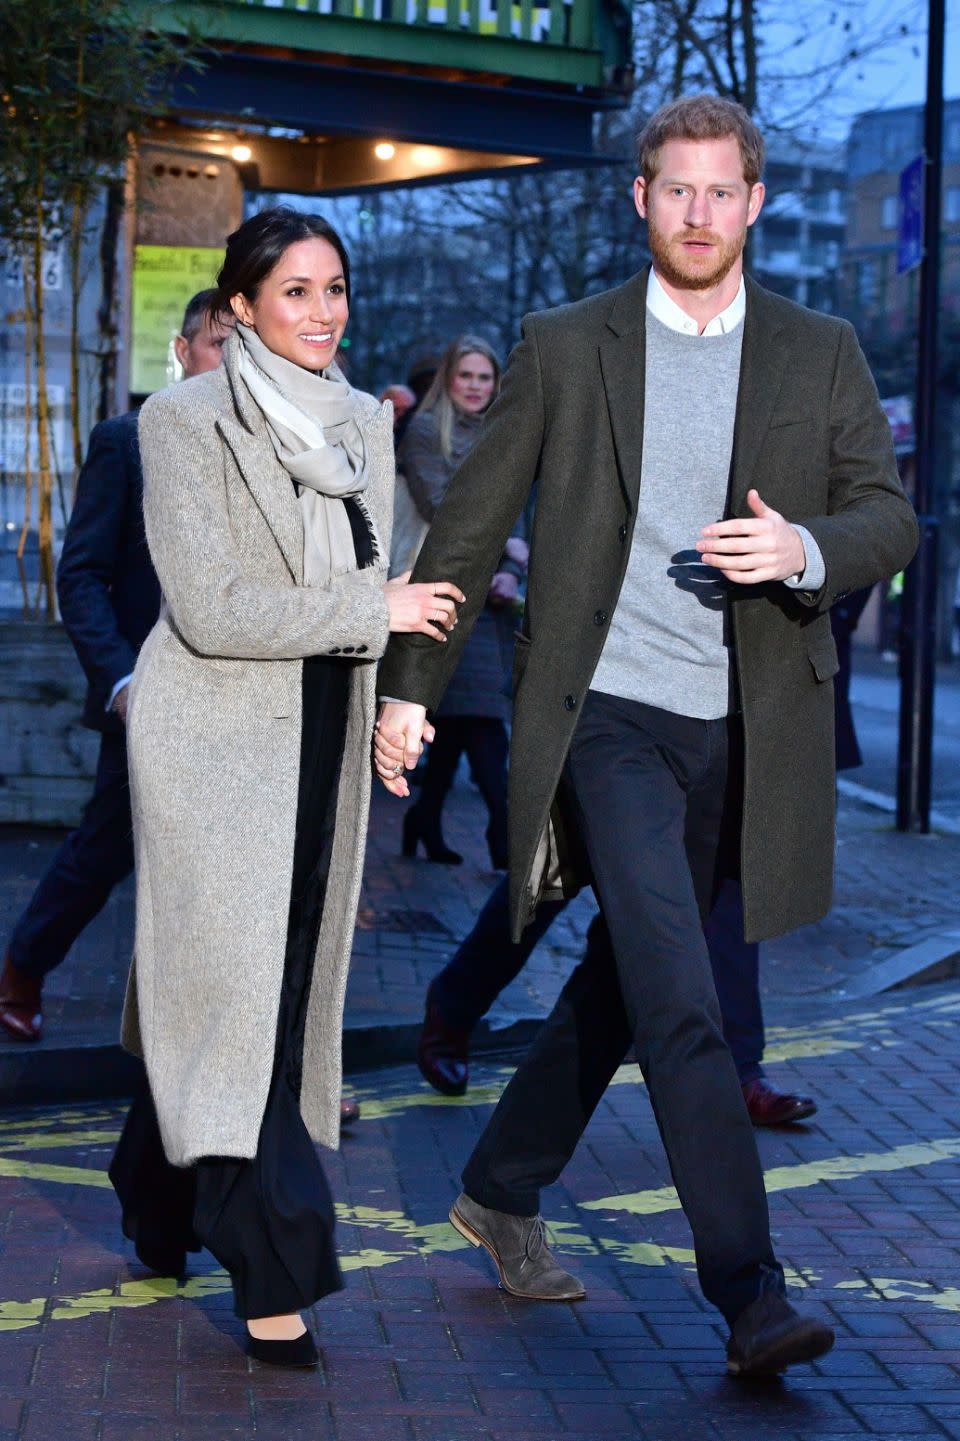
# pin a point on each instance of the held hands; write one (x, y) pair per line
(120, 702)
(429, 607)
(398, 738)
(753, 551)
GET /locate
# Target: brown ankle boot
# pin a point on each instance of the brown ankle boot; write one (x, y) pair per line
(20, 1014)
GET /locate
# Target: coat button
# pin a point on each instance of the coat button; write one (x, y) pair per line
(334, 650)
(600, 617)
(348, 650)
(622, 533)
(569, 702)
(361, 649)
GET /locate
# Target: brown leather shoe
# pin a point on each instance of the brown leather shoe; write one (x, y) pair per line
(769, 1335)
(349, 1111)
(443, 1054)
(769, 1107)
(20, 1012)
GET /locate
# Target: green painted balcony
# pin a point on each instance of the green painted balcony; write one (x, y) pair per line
(577, 43)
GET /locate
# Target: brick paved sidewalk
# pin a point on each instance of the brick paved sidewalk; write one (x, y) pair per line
(892, 892)
(422, 1346)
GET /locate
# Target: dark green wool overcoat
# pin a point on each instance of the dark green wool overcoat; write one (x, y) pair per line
(810, 435)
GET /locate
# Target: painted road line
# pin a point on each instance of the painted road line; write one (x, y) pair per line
(784, 1043)
(793, 1178)
(61, 1175)
(54, 1140)
(21, 1315)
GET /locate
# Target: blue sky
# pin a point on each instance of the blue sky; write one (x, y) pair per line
(897, 76)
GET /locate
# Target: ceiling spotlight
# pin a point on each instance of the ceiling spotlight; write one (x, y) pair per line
(428, 157)
(241, 153)
(385, 151)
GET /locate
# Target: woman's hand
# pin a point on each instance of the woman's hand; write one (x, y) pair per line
(398, 738)
(429, 607)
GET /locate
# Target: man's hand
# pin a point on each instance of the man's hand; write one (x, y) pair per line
(751, 552)
(398, 740)
(517, 550)
(504, 588)
(120, 702)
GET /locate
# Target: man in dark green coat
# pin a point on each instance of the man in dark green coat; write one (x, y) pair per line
(714, 470)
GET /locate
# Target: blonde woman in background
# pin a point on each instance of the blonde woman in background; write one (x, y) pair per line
(476, 706)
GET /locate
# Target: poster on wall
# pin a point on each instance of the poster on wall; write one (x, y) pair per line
(164, 279)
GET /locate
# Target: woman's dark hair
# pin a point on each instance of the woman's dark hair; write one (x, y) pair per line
(258, 244)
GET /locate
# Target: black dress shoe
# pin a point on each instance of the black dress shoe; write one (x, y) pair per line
(769, 1107)
(769, 1335)
(301, 1352)
(21, 1013)
(443, 1054)
(349, 1111)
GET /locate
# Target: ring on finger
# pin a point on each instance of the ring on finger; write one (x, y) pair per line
(398, 768)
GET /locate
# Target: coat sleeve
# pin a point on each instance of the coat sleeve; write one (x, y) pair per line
(91, 548)
(425, 470)
(218, 608)
(870, 531)
(472, 525)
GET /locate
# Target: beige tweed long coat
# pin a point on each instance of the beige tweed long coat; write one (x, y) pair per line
(214, 749)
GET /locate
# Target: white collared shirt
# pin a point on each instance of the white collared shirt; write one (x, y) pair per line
(669, 313)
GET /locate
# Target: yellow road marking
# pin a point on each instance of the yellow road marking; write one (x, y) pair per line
(791, 1178)
(947, 1299)
(64, 1175)
(378, 1108)
(52, 1140)
(785, 1043)
(56, 1118)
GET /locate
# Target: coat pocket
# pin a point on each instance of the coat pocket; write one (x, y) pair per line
(521, 654)
(822, 654)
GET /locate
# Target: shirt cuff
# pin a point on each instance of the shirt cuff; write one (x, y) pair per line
(125, 680)
(815, 570)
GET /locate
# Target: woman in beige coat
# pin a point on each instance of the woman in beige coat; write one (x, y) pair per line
(267, 498)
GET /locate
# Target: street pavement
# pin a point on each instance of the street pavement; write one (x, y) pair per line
(421, 1345)
(875, 694)
(893, 892)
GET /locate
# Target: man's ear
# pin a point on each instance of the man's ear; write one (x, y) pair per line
(640, 196)
(755, 203)
(181, 349)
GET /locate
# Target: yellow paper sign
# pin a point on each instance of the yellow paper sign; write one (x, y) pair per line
(164, 279)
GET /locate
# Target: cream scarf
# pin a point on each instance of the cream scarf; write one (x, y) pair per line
(311, 420)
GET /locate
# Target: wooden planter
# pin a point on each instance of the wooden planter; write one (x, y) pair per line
(47, 757)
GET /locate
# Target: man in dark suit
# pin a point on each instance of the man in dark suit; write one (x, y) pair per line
(109, 600)
(673, 718)
(487, 960)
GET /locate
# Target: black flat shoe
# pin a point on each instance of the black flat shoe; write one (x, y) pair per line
(301, 1352)
(433, 845)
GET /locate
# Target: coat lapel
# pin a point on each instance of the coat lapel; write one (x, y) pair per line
(762, 366)
(246, 434)
(622, 366)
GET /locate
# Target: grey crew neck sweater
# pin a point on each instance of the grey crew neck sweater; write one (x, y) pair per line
(667, 645)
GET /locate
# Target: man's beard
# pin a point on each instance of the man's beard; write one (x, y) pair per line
(693, 272)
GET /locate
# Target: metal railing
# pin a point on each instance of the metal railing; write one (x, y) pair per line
(567, 24)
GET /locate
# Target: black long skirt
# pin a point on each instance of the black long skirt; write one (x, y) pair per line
(268, 1221)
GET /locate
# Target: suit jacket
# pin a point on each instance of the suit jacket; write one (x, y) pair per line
(809, 434)
(108, 590)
